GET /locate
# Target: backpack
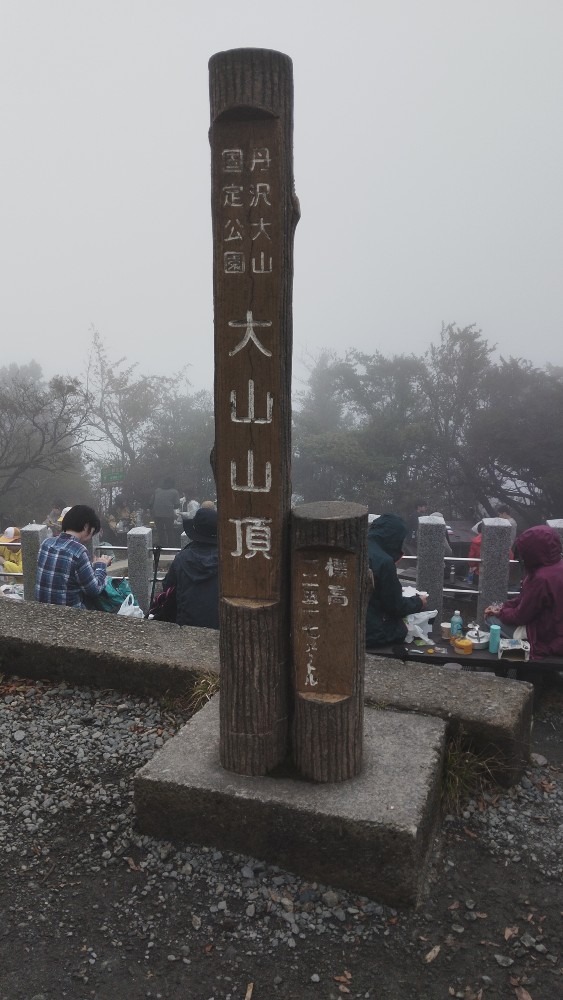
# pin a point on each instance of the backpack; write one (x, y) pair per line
(112, 596)
(163, 607)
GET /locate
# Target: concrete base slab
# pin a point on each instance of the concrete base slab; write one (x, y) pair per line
(371, 835)
(492, 714)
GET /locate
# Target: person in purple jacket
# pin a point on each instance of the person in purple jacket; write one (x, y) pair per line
(536, 614)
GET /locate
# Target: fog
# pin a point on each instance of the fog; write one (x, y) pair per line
(428, 149)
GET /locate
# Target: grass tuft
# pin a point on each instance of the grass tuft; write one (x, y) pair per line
(467, 773)
(204, 689)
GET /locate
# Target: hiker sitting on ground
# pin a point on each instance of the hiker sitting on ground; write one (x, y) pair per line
(195, 572)
(387, 607)
(536, 614)
(65, 574)
(11, 551)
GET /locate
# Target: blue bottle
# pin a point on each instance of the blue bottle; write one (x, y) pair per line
(456, 624)
(494, 638)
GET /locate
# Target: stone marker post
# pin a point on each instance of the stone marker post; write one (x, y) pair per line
(557, 524)
(495, 564)
(31, 536)
(254, 213)
(329, 601)
(140, 564)
(430, 563)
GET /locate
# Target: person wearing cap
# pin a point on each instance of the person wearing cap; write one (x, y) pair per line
(195, 572)
(65, 574)
(11, 551)
(53, 517)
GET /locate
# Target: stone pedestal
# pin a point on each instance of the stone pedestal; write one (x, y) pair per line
(140, 563)
(31, 536)
(371, 834)
(430, 564)
(495, 564)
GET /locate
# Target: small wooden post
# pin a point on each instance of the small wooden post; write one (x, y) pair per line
(329, 600)
(254, 216)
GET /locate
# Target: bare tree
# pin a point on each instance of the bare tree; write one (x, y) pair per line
(42, 425)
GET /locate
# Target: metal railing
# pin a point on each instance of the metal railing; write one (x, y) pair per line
(448, 560)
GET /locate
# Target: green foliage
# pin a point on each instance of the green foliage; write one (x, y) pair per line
(453, 426)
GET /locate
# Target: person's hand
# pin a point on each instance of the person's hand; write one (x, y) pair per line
(493, 609)
(107, 560)
(424, 599)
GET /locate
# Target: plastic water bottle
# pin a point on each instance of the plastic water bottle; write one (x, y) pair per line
(456, 624)
(494, 638)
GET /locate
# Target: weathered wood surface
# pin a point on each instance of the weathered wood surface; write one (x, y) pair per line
(254, 213)
(329, 601)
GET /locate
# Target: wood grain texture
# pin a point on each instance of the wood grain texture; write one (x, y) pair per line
(254, 212)
(329, 601)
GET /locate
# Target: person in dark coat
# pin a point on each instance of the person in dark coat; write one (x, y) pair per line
(195, 572)
(538, 608)
(387, 607)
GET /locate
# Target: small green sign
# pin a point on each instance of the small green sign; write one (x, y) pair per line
(112, 474)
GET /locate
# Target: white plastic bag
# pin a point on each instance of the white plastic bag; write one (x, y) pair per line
(419, 625)
(130, 609)
(6, 590)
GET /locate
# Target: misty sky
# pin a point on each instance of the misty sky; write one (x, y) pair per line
(428, 163)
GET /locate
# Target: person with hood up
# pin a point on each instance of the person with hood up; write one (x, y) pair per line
(387, 607)
(536, 614)
(195, 572)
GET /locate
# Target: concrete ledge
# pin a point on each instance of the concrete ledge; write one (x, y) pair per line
(371, 834)
(150, 658)
(104, 650)
(494, 714)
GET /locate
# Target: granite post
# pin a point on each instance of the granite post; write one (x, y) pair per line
(557, 523)
(32, 536)
(495, 564)
(140, 564)
(430, 563)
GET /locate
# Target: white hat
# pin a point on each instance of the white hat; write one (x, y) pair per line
(10, 535)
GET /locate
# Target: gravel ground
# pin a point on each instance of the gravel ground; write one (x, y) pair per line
(89, 908)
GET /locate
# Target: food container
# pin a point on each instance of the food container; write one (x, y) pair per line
(446, 630)
(479, 639)
(463, 646)
(514, 649)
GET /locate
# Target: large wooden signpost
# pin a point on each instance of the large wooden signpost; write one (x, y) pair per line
(348, 835)
(254, 216)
